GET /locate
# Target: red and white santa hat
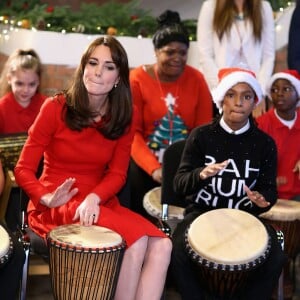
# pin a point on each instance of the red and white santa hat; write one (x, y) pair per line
(228, 77)
(291, 75)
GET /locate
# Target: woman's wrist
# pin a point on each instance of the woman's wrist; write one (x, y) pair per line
(95, 198)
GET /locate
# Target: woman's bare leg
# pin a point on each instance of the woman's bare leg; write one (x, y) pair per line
(131, 270)
(154, 272)
(144, 269)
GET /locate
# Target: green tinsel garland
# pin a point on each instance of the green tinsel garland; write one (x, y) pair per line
(112, 17)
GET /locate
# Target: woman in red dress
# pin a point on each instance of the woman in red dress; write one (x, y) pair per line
(85, 136)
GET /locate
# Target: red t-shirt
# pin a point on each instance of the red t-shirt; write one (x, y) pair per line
(287, 142)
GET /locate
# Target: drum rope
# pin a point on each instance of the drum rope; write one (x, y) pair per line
(86, 273)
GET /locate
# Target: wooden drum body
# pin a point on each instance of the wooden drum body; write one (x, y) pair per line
(84, 261)
(285, 215)
(6, 247)
(226, 245)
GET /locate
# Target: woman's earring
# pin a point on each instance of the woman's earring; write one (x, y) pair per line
(115, 85)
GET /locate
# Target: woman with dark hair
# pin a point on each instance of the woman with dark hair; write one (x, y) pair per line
(171, 97)
(237, 33)
(85, 136)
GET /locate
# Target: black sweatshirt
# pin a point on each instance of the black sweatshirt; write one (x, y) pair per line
(252, 159)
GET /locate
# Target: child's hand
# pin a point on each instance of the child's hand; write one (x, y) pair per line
(280, 180)
(212, 169)
(256, 198)
(297, 168)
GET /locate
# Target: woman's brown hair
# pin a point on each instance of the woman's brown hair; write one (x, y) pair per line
(78, 114)
(225, 12)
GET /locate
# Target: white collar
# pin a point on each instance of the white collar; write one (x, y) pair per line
(287, 123)
(229, 130)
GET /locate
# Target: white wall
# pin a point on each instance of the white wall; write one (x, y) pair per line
(66, 49)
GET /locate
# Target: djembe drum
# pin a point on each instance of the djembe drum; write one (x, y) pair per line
(226, 245)
(285, 215)
(153, 206)
(6, 247)
(84, 262)
(11, 146)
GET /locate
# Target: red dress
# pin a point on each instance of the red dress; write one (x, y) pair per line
(98, 164)
(15, 118)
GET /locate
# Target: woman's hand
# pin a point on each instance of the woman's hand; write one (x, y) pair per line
(256, 198)
(88, 211)
(61, 195)
(212, 169)
(157, 175)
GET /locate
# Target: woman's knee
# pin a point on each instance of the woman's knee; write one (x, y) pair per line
(166, 247)
(138, 249)
(160, 250)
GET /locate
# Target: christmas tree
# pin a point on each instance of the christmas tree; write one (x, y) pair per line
(168, 130)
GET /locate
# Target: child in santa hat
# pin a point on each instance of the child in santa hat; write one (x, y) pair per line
(229, 163)
(282, 123)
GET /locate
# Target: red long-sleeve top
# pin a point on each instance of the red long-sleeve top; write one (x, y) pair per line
(192, 107)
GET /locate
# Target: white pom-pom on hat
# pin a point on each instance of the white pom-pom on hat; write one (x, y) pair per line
(229, 77)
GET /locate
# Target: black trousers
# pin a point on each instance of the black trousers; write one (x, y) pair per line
(11, 272)
(259, 286)
(140, 184)
(13, 211)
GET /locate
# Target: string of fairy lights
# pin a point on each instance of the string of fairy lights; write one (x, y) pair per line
(139, 24)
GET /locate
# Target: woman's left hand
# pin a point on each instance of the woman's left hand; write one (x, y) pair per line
(89, 210)
(256, 198)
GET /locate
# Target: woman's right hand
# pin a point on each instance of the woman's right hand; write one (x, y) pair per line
(61, 195)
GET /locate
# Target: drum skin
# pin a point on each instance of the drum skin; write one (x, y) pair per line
(226, 245)
(285, 215)
(6, 247)
(84, 261)
(153, 206)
